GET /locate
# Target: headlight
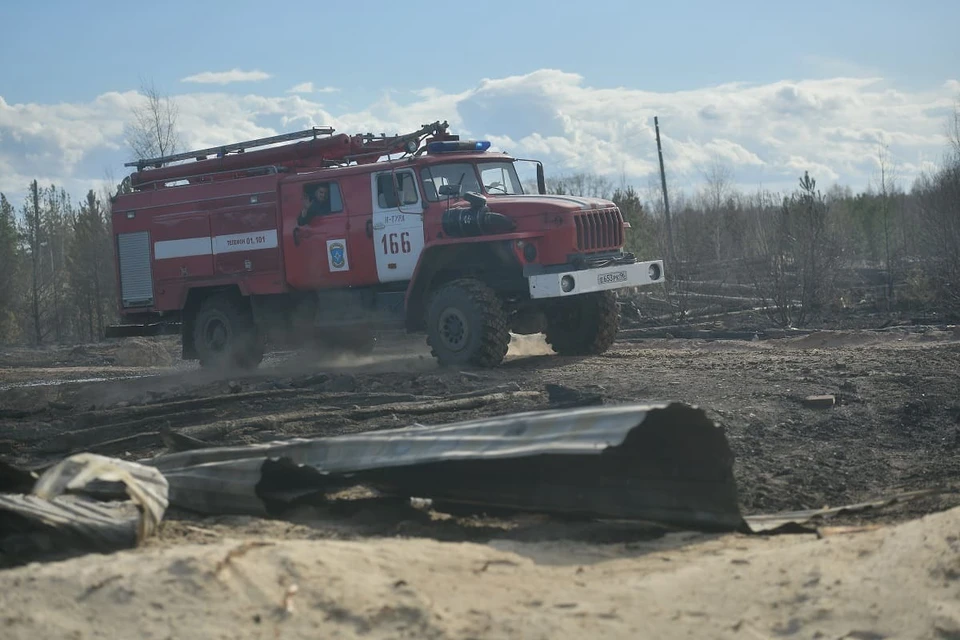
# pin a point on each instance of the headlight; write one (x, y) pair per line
(530, 252)
(654, 271)
(567, 283)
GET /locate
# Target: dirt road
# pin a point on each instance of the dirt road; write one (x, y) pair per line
(895, 426)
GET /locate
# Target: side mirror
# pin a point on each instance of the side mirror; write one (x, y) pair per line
(450, 190)
(541, 180)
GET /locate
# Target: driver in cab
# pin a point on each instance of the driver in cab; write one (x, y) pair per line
(316, 202)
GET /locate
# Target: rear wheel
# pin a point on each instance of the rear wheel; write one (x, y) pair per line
(466, 325)
(225, 335)
(583, 325)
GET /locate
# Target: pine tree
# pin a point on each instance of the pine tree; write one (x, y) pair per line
(32, 235)
(90, 266)
(10, 270)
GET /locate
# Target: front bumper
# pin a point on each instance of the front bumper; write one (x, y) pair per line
(577, 281)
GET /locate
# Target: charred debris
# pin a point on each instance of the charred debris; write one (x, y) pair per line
(664, 464)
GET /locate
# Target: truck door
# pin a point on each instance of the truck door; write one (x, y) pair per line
(397, 224)
(320, 253)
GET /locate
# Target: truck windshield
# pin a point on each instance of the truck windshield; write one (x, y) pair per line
(500, 178)
(438, 175)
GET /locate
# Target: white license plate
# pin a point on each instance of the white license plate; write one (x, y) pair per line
(616, 276)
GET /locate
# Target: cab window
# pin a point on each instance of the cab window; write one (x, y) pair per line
(500, 177)
(391, 195)
(320, 199)
(456, 173)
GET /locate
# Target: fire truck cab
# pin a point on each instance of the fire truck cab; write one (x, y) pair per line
(334, 238)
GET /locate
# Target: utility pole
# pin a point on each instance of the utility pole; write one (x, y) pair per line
(666, 200)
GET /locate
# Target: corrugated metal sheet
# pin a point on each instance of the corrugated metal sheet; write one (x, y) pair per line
(48, 520)
(72, 521)
(666, 463)
(573, 431)
(136, 275)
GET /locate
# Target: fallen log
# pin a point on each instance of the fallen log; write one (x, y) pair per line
(454, 404)
(175, 441)
(142, 439)
(219, 430)
(91, 436)
(128, 414)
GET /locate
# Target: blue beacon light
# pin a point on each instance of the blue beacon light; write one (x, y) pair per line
(446, 146)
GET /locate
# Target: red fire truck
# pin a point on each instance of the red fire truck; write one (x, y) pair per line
(330, 238)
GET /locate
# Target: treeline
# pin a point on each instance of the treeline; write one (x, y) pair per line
(805, 254)
(802, 255)
(57, 282)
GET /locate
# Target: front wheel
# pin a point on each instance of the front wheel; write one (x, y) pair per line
(583, 325)
(466, 325)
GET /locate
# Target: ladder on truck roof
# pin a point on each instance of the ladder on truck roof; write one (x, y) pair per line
(236, 147)
(234, 160)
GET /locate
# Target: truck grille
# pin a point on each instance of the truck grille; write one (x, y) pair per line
(599, 230)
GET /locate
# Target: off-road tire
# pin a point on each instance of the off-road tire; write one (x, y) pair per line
(239, 346)
(474, 307)
(583, 325)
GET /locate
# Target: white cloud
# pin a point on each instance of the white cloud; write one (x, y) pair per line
(307, 87)
(226, 77)
(765, 133)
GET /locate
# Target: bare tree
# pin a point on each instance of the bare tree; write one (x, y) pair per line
(953, 129)
(887, 186)
(719, 181)
(581, 184)
(937, 198)
(153, 131)
(10, 268)
(33, 228)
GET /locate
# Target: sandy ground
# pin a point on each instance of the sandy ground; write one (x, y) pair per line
(894, 582)
(385, 571)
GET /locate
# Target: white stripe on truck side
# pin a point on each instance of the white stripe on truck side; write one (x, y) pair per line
(182, 248)
(205, 246)
(245, 241)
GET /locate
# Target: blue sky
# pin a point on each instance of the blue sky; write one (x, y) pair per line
(59, 55)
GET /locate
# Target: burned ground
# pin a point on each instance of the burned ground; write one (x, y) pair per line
(895, 424)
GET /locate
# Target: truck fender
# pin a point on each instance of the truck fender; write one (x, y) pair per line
(201, 289)
(427, 266)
